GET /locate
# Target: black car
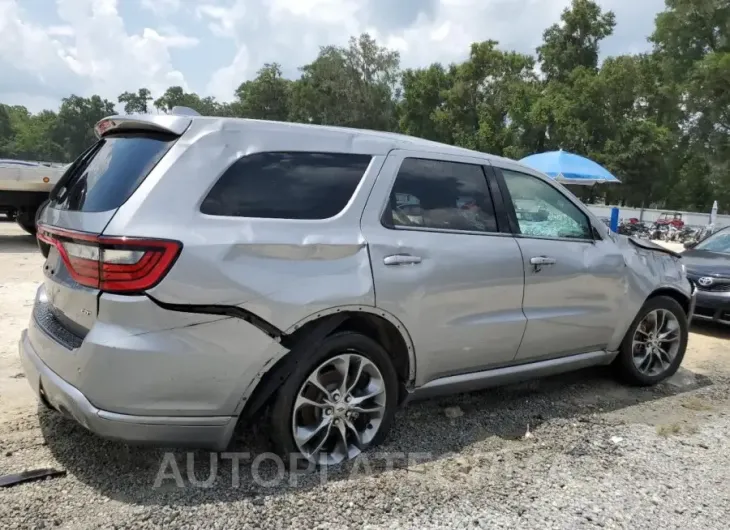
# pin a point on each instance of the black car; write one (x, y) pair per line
(708, 267)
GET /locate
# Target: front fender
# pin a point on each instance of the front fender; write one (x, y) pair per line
(648, 271)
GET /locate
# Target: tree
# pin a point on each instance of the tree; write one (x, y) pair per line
(574, 43)
(136, 103)
(660, 121)
(73, 128)
(692, 47)
(266, 97)
(477, 107)
(424, 94)
(6, 132)
(175, 96)
(354, 86)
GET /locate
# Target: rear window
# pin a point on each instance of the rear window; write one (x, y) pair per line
(287, 185)
(113, 169)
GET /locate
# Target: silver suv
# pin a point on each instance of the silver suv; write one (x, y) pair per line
(205, 272)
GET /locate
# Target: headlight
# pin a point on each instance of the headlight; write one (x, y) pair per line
(683, 269)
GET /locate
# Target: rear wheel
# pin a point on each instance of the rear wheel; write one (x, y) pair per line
(26, 220)
(44, 247)
(337, 403)
(654, 345)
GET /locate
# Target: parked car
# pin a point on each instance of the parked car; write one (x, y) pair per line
(24, 186)
(208, 272)
(708, 267)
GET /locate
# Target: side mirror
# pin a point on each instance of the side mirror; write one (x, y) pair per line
(690, 244)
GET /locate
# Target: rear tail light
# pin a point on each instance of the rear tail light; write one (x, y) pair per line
(112, 264)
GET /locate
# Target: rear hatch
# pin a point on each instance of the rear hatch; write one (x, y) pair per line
(83, 262)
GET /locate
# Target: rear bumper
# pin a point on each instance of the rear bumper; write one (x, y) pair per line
(213, 432)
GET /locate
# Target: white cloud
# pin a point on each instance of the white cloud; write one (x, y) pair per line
(225, 80)
(60, 31)
(161, 8)
(90, 52)
(172, 38)
(291, 31)
(222, 21)
(424, 31)
(91, 49)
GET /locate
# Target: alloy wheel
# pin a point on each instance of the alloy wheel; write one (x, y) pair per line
(656, 342)
(339, 409)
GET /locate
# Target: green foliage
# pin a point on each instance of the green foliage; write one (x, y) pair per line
(575, 41)
(136, 103)
(660, 121)
(353, 87)
(267, 97)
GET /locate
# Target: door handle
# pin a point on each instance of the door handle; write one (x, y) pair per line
(401, 259)
(538, 262)
(542, 260)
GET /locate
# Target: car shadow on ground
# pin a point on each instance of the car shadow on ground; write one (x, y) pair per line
(710, 329)
(421, 430)
(18, 244)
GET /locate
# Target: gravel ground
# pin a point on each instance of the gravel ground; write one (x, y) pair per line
(576, 451)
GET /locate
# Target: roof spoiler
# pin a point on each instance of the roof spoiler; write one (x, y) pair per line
(165, 123)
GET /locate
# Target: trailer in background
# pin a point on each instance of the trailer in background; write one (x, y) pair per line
(24, 187)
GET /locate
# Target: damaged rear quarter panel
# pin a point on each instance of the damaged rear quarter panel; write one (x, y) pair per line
(279, 269)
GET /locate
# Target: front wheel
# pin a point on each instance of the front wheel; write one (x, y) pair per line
(655, 343)
(336, 403)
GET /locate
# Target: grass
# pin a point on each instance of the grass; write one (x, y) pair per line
(668, 429)
(695, 403)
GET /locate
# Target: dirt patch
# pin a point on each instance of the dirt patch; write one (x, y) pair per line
(20, 274)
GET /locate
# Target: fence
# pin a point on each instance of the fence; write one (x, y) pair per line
(648, 215)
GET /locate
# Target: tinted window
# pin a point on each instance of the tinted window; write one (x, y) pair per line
(438, 194)
(543, 211)
(110, 172)
(287, 185)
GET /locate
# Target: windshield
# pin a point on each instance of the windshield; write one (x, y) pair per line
(717, 242)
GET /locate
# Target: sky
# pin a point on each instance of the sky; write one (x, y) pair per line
(50, 49)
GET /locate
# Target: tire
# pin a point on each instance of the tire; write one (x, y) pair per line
(333, 349)
(44, 247)
(11, 215)
(26, 221)
(660, 367)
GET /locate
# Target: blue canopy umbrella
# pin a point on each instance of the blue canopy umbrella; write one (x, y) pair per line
(569, 168)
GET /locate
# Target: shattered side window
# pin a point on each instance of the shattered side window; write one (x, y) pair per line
(542, 211)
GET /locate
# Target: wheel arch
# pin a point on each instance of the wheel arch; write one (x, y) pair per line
(389, 331)
(380, 325)
(682, 298)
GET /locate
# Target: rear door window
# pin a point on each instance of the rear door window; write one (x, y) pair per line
(287, 185)
(440, 195)
(111, 172)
